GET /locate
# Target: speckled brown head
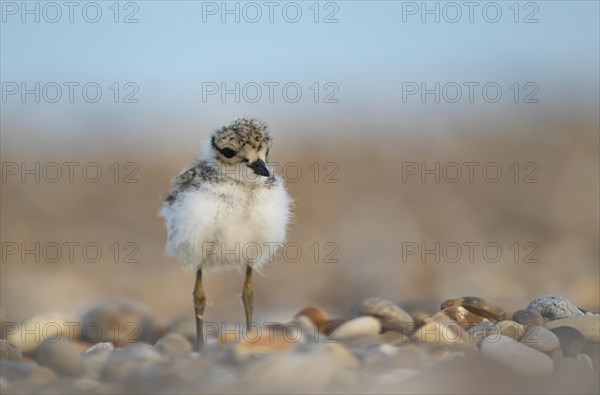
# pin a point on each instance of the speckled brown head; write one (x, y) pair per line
(245, 140)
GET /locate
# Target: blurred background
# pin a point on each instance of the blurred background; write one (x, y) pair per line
(373, 107)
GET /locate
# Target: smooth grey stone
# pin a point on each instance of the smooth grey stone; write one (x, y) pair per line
(392, 317)
(121, 322)
(528, 317)
(593, 351)
(571, 340)
(13, 371)
(311, 372)
(95, 357)
(123, 361)
(173, 345)
(68, 385)
(588, 361)
(476, 333)
(515, 356)
(62, 356)
(540, 338)
(589, 326)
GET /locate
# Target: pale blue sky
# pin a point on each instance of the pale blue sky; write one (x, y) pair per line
(170, 52)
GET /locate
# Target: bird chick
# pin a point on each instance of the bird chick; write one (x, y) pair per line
(228, 210)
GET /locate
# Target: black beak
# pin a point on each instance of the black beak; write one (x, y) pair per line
(259, 167)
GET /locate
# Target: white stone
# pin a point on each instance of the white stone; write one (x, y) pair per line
(516, 356)
(365, 325)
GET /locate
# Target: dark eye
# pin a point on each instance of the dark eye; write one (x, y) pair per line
(228, 152)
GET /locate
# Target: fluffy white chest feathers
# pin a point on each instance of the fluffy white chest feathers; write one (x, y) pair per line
(221, 224)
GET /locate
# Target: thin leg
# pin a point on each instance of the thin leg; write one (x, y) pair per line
(248, 296)
(199, 305)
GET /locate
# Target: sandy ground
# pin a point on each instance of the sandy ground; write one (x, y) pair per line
(356, 220)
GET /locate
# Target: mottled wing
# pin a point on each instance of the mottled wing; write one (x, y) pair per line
(189, 178)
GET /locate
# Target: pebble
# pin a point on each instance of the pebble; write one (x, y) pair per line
(394, 338)
(557, 355)
(86, 384)
(329, 327)
(361, 355)
(553, 307)
(28, 360)
(571, 340)
(393, 317)
(588, 361)
(314, 372)
(528, 317)
(476, 334)
(453, 352)
(123, 361)
(511, 329)
(439, 329)
(589, 326)
(477, 306)
(304, 323)
(27, 336)
(464, 317)
(411, 356)
(95, 357)
(62, 356)
(540, 338)
(388, 349)
(393, 378)
(8, 351)
(360, 341)
(420, 319)
(572, 370)
(364, 347)
(99, 348)
(64, 385)
(152, 379)
(185, 326)
(13, 371)
(366, 325)
(35, 383)
(191, 369)
(593, 350)
(256, 344)
(343, 356)
(173, 345)
(517, 357)
(120, 322)
(82, 385)
(315, 315)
